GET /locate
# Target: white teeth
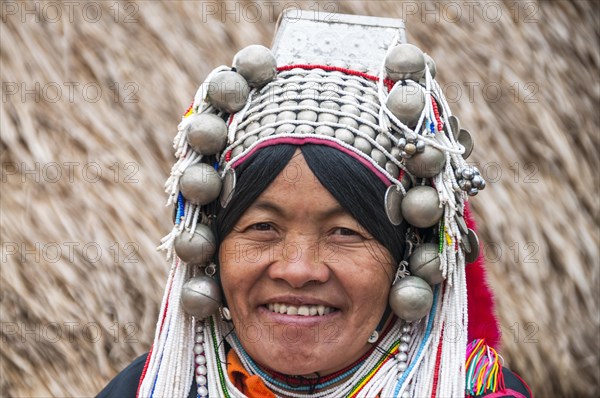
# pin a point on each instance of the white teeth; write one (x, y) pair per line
(303, 310)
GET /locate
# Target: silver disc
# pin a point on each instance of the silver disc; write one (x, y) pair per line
(454, 125)
(393, 200)
(228, 187)
(462, 225)
(474, 243)
(465, 139)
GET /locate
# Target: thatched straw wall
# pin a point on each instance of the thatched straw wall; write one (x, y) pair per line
(89, 108)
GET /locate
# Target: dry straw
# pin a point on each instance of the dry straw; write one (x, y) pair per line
(81, 281)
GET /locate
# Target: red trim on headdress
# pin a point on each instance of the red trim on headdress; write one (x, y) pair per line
(483, 323)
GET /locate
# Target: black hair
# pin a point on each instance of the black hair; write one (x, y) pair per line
(354, 186)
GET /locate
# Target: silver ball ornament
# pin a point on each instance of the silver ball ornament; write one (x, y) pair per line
(200, 184)
(424, 262)
(426, 164)
(421, 207)
(197, 247)
(406, 103)
(431, 65)
(201, 297)
(206, 133)
(411, 298)
(228, 91)
(256, 64)
(405, 61)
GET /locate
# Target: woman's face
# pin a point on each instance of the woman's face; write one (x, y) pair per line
(305, 283)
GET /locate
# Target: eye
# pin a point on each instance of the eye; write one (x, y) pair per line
(262, 226)
(344, 232)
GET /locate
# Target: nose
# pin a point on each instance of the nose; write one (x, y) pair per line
(300, 263)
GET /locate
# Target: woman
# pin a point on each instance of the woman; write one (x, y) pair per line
(328, 206)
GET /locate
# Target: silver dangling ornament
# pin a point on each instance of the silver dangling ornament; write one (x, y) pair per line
(197, 247)
(421, 206)
(411, 298)
(256, 64)
(228, 91)
(200, 184)
(373, 337)
(405, 61)
(429, 163)
(206, 133)
(406, 103)
(424, 262)
(201, 296)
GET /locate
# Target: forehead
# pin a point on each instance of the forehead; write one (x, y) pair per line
(296, 190)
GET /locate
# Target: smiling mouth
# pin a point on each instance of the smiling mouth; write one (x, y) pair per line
(301, 310)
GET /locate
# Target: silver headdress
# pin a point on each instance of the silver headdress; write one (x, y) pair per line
(366, 92)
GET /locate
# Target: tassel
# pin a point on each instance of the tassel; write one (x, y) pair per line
(483, 369)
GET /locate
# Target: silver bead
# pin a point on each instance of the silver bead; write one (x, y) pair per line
(228, 91)
(384, 141)
(402, 366)
(198, 349)
(411, 298)
(473, 191)
(396, 152)
(362, 145)
(304, 129)
(406, 103)
(202, 391)
(402, 356)
(287, 103)
(426, 164)
(378, 157)
(200, 360)
(310, 116)
(410, 149)
(425, 263)
(252, 127)
(348, 121)
(331, 105)
(256, 64)
(368, 117)
(308, 102)
(329, 94)
(350, 98)
(268, 119)
(236, 151)
(367, 130)
(286, 115)
(266, 132)
(327, 118)
(353, 110)
(352, 90)
(405, 61)
(325, 130)
(420, 145)
(249, 141)
(421, 207)
(201, 296)
(411, 137)
(476, 181)
(403, 347)
(206, 133)
(200, 184)
(285, 129)
(392, 169)
(201, 369)
(197, 247)
(345, 136)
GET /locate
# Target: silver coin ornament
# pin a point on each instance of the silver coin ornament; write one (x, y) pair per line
(454, 125)
(421, 207)
(430, 65)
(206, 133)
(411, 298)
(228, 91)
(197, 247)
(426, 164)
(201, 297)
(256, 64)
(406, 103)
(405, 61)
(424, 262)
(392, 201)
(465, 139)
(473, 245)
(200, 184)
(229, 182)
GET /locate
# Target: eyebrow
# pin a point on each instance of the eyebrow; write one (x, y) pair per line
(280, 211)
